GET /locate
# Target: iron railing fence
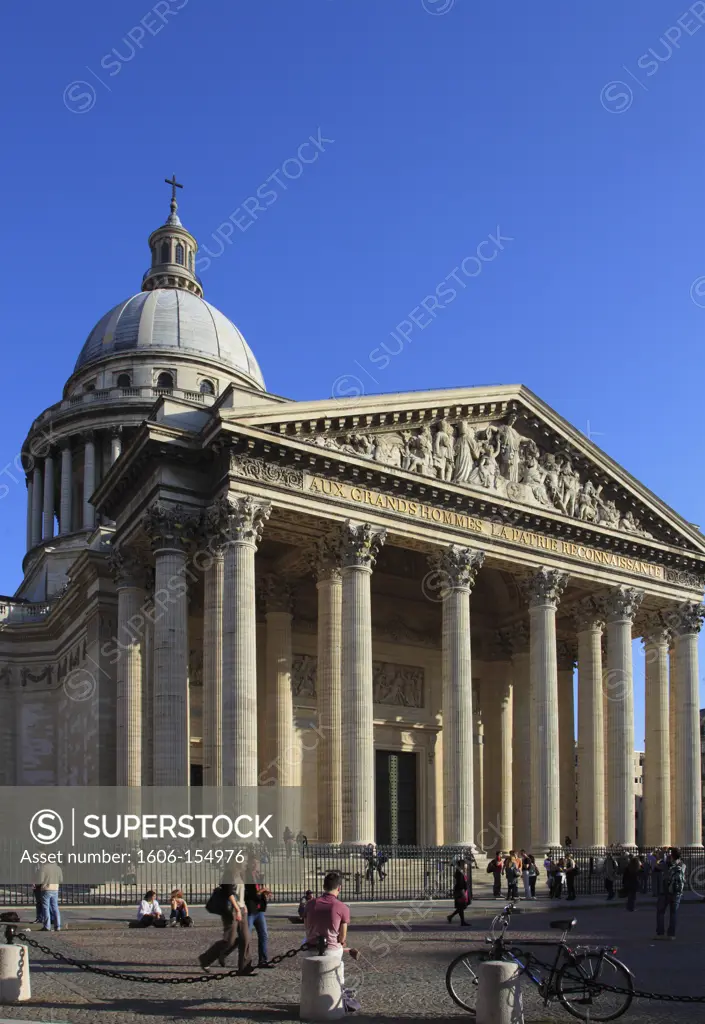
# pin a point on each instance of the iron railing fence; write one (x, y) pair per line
(391, 873)
(590, 880)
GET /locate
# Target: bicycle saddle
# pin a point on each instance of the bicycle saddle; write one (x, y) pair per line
(565, 926)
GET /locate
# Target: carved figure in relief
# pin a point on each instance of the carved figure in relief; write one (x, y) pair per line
(509, 448)
(486, 472)
(467, 451)
(388, 449)
(419, 452)
(552, 479)
(587, 502)
(570, 485)
(533, 477)
(608, 514)
(443, 450)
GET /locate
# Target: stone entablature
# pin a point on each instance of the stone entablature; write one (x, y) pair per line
(443, 506)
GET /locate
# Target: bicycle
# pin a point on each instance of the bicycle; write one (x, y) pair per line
(576, 977)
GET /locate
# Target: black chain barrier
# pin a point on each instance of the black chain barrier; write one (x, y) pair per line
(11, 934)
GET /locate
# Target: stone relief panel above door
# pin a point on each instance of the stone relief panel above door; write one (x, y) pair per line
(396, 685)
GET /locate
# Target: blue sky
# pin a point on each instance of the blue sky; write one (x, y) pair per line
(576, 130)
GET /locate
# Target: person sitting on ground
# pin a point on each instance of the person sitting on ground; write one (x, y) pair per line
(149, 912)
(305, 900)
(328, 917)
(179, 909)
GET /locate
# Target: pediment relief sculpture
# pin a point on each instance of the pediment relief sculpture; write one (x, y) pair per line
(496, 457)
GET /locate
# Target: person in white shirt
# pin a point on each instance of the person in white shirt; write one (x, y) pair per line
(50, 879)
(149, 912)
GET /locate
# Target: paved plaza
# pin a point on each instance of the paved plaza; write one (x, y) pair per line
(406, 949)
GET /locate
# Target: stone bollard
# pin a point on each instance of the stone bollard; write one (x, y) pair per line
(322, 988)
(14, 974)
(499, 994)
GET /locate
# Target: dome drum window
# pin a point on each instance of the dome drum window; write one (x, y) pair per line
(180, 254)
(166, 252)
(206, 387)
(164, 383)
(124, 380)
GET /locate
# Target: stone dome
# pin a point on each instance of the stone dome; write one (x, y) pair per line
(170, 320)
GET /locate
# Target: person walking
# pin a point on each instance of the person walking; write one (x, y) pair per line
(51, 879)
(496, 869)
(670, 897)
(525, 865)
(659, 871)
(236, 933)
(571, 871)
(630, 882)
(461, 896)
(288, 838)
(256, 900)
(301, 842)
(609, 871)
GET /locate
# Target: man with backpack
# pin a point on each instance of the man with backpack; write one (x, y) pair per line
(670, 897)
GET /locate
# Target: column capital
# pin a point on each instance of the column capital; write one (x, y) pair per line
(170, 526)
(546, 586)
(87, 436)
(458, 565)
(518, 637)
(65, 445)
(239, 519)
(127, 569)
(329, 557)
(116, 431)
(622, 603)
(685, 618)
(587, 614)
(654, 630)
(275, 593)
(361, 543)
(566, 654)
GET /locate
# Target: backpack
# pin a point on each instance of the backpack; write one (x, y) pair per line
(217, 902)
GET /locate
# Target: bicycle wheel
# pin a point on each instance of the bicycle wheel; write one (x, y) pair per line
(578, 987)
(462, 978)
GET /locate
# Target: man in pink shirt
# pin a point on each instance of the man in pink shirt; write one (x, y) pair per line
(328, 916)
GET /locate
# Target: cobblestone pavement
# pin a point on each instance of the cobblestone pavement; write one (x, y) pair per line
(402, 975)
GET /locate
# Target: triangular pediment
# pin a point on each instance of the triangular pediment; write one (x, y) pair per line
(500, 442)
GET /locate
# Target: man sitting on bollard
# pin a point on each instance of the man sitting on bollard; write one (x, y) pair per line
(328, 917)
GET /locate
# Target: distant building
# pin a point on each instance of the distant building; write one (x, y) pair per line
(638, 787)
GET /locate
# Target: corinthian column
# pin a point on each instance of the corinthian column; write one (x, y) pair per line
(521, 741)
(498, 720)
(171, 529)
(37, 485)
(591, 729)
(620, 606)
(657, 759)
(241, 520)
(329, 692)
(30, 486)
(566, 737)
(672, 704)
(544, 591)
(48, 516)
(360, 547)
(88, 479)
(686, 625)
(129, 574)
(115, 444)
(213, 585)
(458, 568)
(282, 741)
(66, 489)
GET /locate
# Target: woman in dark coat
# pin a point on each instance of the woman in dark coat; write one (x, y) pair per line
(461, 894)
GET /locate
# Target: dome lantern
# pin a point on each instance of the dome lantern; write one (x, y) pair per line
(173, 253)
